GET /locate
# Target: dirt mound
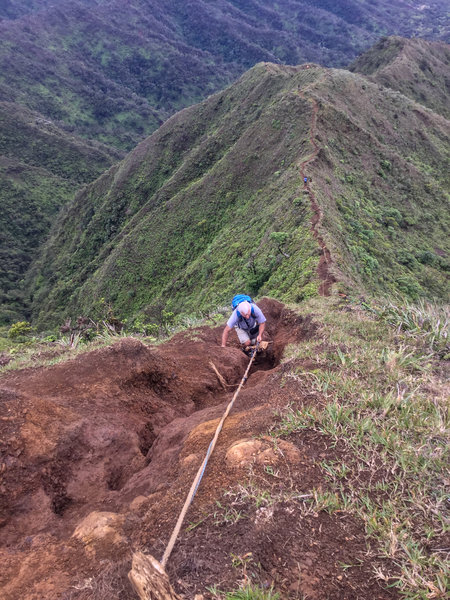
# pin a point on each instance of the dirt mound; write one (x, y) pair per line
(106, 446)
(79, 430)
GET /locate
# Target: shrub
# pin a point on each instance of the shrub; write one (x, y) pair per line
(20, 331)
(280, 238)
(406, 258)
(426, 257)
(256, 279)
(310, 290)
(368, 262)
(391, 217)
(409, 286)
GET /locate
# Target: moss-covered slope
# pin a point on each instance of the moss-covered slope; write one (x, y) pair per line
(187, 218)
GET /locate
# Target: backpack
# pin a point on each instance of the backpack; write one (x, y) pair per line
(242, 298)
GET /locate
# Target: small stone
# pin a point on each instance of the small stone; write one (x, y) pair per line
(138, 502)
(263, 452)
(100, 526)
(243, 452)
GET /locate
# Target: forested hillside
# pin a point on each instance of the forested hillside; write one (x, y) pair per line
(41, 168)
(115, 70)
(215, 200)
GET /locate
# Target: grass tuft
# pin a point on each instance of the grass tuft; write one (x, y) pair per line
(423, 320)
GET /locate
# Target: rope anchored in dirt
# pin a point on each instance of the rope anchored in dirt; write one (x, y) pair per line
(323, 270)
(152, 567)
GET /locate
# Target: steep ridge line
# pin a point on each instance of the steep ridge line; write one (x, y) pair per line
(325, 262)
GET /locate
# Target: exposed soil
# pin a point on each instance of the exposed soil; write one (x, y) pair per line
(107, 445)
(324, 272)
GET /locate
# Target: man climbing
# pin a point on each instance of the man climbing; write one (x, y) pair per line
(247, 319)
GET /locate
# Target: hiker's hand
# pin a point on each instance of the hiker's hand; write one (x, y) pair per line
(259, 338)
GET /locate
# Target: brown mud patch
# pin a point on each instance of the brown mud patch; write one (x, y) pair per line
(108, 444)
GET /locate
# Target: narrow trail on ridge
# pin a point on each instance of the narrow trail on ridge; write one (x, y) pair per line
(325, 262)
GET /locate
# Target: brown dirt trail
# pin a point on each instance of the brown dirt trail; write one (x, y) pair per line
(98, 454)
(325, 262)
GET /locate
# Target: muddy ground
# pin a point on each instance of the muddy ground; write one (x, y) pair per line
(98, 454)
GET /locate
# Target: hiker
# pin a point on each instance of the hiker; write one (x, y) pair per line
(247, 319)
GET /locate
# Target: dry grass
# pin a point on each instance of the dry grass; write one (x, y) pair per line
(111, 584)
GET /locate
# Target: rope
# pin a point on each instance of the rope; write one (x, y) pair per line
(202, 468)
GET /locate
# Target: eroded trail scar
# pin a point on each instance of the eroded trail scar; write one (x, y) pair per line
(326, 277)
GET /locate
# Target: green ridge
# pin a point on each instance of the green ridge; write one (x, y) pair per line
(186, 219)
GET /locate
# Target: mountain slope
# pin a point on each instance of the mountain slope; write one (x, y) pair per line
(416, 68)
(41, 167)
(115, 71)
(215, 201)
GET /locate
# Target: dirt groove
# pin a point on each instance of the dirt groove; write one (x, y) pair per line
(326, 277)
(123, 430)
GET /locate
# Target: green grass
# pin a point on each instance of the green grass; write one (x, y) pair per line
(379, 393)
(53, 347)
(386, 400)
(424, 321)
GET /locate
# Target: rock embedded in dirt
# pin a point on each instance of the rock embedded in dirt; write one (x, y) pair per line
(262, 452)
(100, 526)
(137, 503)
(243, 453)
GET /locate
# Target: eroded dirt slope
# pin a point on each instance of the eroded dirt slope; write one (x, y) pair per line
(98, 454)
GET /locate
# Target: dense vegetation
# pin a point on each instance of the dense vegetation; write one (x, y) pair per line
(41, 167)
(214, 201)
(383, 185)
(417, 69)
(115, 70)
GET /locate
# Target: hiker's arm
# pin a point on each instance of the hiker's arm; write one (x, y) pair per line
(261, 331)
(225, 335)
